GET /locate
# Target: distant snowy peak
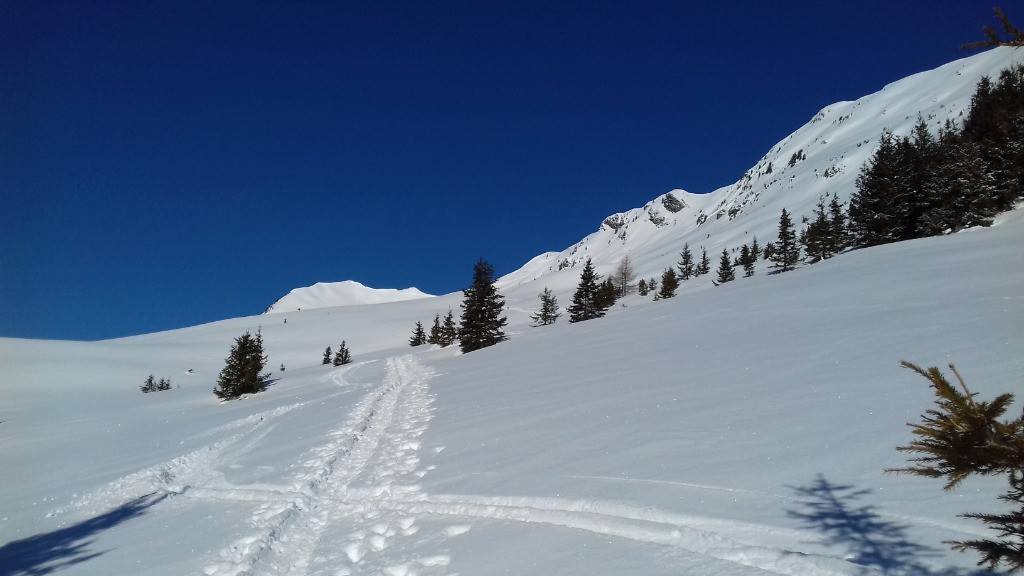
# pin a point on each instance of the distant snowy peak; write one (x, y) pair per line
(822, 157)
(347, 293)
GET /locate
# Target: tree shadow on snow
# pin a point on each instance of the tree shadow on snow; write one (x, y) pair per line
(52, 551)
(866, 538)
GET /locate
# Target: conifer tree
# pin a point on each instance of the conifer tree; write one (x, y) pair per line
(243, 368)
(164, 384)
(327, 356)
(435, 331)
(482, 322)
(419, 336)
(961, 437)
(838, 239)
(149, 385)
(449, 331)
(669, 283)
(652, 284)
(642, 288)
(343, 355)
(725, 268)
(607, 294)
(548, 312)
(816, 237)
(755, 249)
(881, 191)
(785, 253)
(586, 304)
(747, 259)
(686, 268)
(704, 266)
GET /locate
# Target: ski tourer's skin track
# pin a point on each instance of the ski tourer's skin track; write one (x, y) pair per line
(354, 506)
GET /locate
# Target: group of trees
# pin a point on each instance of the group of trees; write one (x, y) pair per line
(151, 385)
(243, 368)
(342, 356)
(442, 333)
(481, 323)
(926, 185)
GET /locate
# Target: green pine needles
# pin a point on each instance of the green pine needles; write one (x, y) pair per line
(243, 368)
(962, 436)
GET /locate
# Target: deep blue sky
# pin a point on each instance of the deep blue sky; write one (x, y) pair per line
(169, 163)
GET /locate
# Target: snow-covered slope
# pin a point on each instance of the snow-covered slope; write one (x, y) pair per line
(823, 156)
(347, 293)
(741, 430)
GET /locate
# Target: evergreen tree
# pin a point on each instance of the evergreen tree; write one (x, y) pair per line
(816, 237)
(725, 269)
(449, 331)
(755, 250)
(482, 322)
(669, 283)
(586, 304)
(961, 437)
(838, 239)
(327, 356)
(342, 356)
(243, 368)
(747, 259)
(607, 294)
(642, 287)
(548, 313)
(652, 284)
(881, 193)
(419, 336)
(149, 385)
(686, 268)
(786, 253)
(164, 384)
(704, 267)
(435, 332)
(624, 277)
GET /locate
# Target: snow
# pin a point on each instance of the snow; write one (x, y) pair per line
(346, 293)
(737, 430)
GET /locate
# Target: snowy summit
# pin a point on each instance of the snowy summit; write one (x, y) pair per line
(347, 293)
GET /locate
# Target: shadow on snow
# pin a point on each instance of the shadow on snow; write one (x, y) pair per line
(52, 551)
(864, 536)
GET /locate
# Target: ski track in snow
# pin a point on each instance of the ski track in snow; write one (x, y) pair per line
(356, 496)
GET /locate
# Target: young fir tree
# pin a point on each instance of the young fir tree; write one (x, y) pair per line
(435, 331)
(243, 368)
(327, 356)
(607, 294)
(449, 331)
(149, 385)
(786, 252)
(642, 288)
(164, 384)
(548, 312)
(838, 238)
(755, 250)
(343, 355)
(725, 269)
(747, 259)
(482, 322)
(419, 336)
(816, 237)
(586, 303)
(686, 267)
(961, 437)
(669, 283)
(704, 266)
